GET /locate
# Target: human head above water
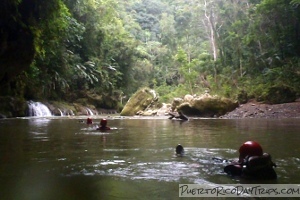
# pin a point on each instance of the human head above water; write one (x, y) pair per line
(179, 149)
(250, 148)
(103, 122)
(89, 120)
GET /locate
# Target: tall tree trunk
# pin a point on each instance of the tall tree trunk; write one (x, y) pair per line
(212, 30)
(212, 34)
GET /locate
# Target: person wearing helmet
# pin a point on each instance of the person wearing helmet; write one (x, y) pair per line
(89, 121)
(103, 125)
(250, 148)
(252, 163)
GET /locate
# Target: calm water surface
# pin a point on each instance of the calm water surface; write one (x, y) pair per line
(61, 158)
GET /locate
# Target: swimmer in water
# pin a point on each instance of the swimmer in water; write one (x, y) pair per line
(179, 150)
(179, 116)
(103, 125)
(252, 163)
(89, 121)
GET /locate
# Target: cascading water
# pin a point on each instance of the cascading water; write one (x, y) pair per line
(89, 111)
(38, 109)
(61, 113)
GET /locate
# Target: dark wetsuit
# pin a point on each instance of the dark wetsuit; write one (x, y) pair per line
(179, 116)
(257, 167)
(179, 150)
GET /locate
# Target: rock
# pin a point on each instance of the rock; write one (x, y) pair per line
(61, 108)
(164, 109)
(176, 102)
(149, 113)
(141, 100)
(188, 98)
(207, 106)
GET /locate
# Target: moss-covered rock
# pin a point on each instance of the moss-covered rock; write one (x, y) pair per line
(207, 106)
(176, 102)
(142, 99)
(58, 108)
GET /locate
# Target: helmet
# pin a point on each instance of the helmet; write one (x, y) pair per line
(89, 121)
(103, 122)
(250, 148)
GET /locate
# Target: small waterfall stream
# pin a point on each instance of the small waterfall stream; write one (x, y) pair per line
(61, 113)
(38, 109)
(89, 112)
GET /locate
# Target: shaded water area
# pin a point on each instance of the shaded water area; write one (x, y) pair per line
(61, 158)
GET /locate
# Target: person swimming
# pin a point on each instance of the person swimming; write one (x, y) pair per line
(103, 125)
(89, 121)
(179, 116)
(179, 150)
(252, 163)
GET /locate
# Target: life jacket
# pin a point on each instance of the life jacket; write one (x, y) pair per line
(259, 167)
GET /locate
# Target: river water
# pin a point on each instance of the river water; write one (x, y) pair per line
(63, 158)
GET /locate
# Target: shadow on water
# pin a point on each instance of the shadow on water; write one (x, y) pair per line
(55, 158)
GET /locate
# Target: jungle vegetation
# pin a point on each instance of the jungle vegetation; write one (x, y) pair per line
(64, 49)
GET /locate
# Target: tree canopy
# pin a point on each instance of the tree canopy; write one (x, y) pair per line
(63, 49)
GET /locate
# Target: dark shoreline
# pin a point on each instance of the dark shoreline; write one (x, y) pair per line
(268, 111)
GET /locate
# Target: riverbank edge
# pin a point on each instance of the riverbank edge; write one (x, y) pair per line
(254, 109)
(251, 109)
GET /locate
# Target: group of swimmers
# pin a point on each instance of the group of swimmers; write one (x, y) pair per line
(252, 162)
(103, 124)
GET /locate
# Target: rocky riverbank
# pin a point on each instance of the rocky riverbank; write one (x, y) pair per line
(255, 109)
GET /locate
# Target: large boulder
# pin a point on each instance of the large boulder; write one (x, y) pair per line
(156, 110)
(176, 102)
(207, 106)
(164, 109)
(141, 100)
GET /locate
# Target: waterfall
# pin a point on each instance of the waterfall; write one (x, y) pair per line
(38, 109)
(61, 113)
(89, 112)
(70, 112)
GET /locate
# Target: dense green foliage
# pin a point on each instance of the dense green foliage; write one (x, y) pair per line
(64, 49)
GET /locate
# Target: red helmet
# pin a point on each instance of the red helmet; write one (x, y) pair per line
(103, 122)
(89, 121)
(250, 148)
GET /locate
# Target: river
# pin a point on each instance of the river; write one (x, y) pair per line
(63, 158)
